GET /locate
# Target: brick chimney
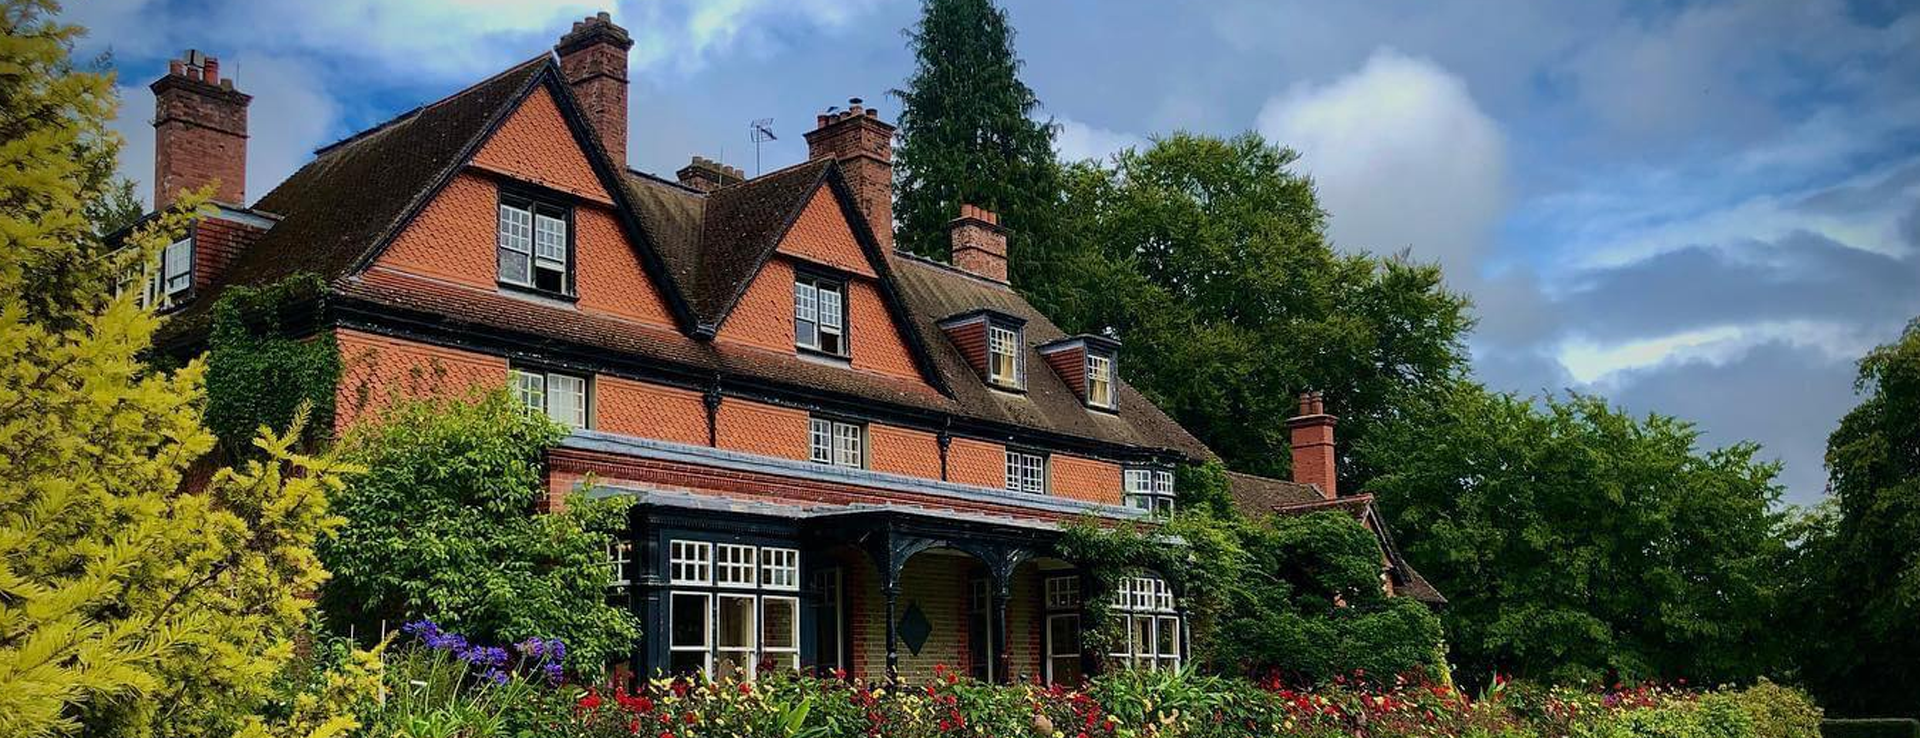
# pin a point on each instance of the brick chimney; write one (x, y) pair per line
(1313, 458)
(199, 132)
(863, 144)
(707, 175)
(979, 243)
(593, 57)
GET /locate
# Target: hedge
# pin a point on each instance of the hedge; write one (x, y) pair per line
(1870, 728)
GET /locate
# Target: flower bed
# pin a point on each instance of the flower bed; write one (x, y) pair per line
(440, 683)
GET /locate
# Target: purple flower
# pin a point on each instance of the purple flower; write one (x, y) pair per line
(556, 649)
(531, 647)
(495, 676)
(553, 672)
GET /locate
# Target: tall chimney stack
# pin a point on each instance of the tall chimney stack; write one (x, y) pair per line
(1314, 461)
(863, 145)
(979, 243)
(199, 132)
(593, 56)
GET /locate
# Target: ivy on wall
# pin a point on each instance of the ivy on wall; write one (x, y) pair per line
(260, 366)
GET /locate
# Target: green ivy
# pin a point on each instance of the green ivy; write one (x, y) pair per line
(260, 369)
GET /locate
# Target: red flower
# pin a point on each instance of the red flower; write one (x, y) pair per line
(589, 700)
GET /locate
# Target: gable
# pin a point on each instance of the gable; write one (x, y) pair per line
(454, 238)
(822, 235)
(534, 145)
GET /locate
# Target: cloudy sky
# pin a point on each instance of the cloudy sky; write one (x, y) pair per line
(1708, 209)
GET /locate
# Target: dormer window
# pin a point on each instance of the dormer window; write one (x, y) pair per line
(1150, 490)
(1003, 356)
(536, 244)
(1100, 380)
(169, 276)
(820, 315)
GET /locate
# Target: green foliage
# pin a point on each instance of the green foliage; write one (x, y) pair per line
(1576, 543)
(1204, 488)
(131, 602)
(1857, 569)
(259, 372)
(967, 136)
(1209, 259)
(1870, 728)
(1779, 712)
(443, 526)
(1299, 597)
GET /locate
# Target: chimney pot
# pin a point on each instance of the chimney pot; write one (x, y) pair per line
(979, 243)
(707, 175)
(593, 58)
(1314, 459)
(862, 144)
(199, 130)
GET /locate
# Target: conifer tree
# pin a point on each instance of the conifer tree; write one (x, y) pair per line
(968, 136)
(130, 604)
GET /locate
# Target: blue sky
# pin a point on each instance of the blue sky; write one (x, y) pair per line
(1707, 209)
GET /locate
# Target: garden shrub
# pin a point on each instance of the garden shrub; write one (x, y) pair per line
(443, 525)
(1782, 712)
(260, 369)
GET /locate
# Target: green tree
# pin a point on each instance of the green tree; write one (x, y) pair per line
(443, 525)
(967, 136)
(1859, 610)
(1575, 542)
(1208, 258)
(131, 602)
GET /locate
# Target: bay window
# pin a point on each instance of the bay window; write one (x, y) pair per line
(1150, 626)
(732, 607)
(1150, 490)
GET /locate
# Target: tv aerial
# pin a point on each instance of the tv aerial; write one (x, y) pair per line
(760, 131)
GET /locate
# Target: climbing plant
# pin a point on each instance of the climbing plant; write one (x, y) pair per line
(260, 369)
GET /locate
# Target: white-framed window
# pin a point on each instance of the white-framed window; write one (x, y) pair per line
(563, 397)
(1149, 489)
(535, 245)
(726, 618)
(1100, 380)
(1063, 593)
(1143, 608)
(838, 443)
(619, 566)
(780, 568)
(734, 566)
(780, 631)
(1003, 356)
(1063, 649)
(690, 616)
(167, 276)
(1026, 472)
(820, 315)
(690, 562)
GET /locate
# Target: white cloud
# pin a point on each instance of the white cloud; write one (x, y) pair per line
(1592, 363)
(1075, 141)
(1402, 156)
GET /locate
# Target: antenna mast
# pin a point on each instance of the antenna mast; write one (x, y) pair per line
(760, 131)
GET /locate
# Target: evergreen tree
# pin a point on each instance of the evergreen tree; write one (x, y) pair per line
(967, 136)
(129, 603)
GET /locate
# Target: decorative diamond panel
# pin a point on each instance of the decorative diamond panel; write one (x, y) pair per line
(914, 628)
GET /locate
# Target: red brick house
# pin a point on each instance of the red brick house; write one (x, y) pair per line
(840, 455)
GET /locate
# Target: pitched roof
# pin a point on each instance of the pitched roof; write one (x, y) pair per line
(1257, 496)
(347, 203)
(932, 292)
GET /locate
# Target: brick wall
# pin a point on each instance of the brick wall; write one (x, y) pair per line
(977, 463)
(1085, 479)
(903, 451)
(216, 242)
(377, 370)
(821, 236)
(768, 430)
(200, 137)
(938, 583)
(649, 410)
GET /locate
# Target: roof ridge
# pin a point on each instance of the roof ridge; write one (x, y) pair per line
(676, 184)
(417, 109)
(944, 266)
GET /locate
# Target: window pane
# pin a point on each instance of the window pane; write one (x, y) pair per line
(1142, 641)
(736, 621)
(846, 444)
(832, 315)
(780, 623)
(567, 400)
(689, 620)
(779, 568)
(806, 315)
(550, 241)
(530, 388)
(820, 437)
(516, 245)
(687, 663)
(1169, 634)
(734, 565)
(690, 562)
(177, 265)
(1003, 353)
